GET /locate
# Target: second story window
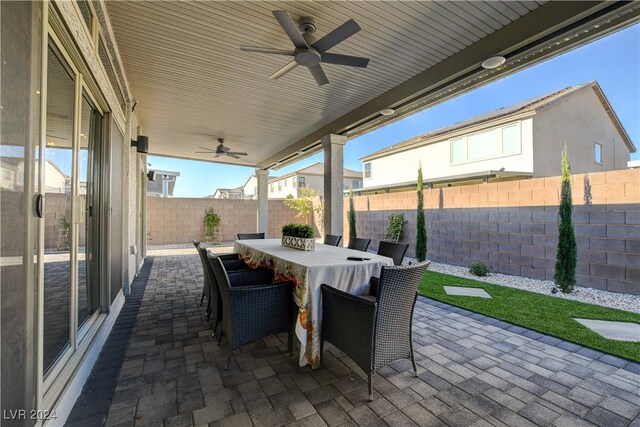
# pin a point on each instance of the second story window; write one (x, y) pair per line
(279, 185)
(367, 170)
(271, 187)
(301, 181)
(357, 184)
(598, 154)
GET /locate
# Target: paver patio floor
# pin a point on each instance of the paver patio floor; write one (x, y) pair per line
(472, 371)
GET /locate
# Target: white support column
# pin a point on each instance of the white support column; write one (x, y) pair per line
(333, 146)
(263, 201)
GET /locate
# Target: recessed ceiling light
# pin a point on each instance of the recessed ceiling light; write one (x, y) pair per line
(388, 112)
(493, 62)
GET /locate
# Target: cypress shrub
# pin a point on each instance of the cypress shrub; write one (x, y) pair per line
(567, 254)
(352, 218)
(421, 237)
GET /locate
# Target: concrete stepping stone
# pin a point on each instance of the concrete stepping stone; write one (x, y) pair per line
(620, 331)
(466, 292)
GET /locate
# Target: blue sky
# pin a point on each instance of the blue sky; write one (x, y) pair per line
(613, 61)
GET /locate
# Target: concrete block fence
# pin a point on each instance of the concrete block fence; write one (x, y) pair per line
(180, 220)
(513, 227)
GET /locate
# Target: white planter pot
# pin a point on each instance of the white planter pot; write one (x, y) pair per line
(299, 243)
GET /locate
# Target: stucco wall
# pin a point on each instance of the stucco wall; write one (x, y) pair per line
(513, 226)
(180, 220)
(402, 167)
(580, 121)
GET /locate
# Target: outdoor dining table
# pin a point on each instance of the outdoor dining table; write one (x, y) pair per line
(308, 270)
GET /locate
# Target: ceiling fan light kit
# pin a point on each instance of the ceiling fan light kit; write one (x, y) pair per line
(309, 51)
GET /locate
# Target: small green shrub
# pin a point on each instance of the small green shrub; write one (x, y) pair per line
(211, 225)
(480, 269)
(395, 227)
(303, 231)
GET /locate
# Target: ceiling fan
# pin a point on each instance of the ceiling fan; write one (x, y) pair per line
(310, 51)
(221, 150)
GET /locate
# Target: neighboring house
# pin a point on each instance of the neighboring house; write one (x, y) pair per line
(250, 188)
(56, 181)
(163, 184)
(228, 193)
(11, 173)
(280, 187)
(524, 140)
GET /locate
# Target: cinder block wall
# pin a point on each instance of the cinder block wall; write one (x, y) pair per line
(513, 226)
(180, 220)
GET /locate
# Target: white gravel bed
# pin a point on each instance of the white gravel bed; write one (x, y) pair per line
(589, 295)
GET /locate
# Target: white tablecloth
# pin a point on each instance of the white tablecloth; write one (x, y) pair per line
(308, 270)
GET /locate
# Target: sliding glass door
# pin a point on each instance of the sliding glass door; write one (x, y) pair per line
(73, 167)
(58, 172)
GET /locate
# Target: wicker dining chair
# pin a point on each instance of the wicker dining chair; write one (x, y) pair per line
(206, 285)
(254, 311)
(232, 263)
(250, 236)
(393, 250)
(374, 331)
(359, 244)
(331, 240)
(237, 277)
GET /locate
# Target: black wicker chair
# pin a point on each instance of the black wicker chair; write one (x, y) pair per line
(331, 240)
(238, 276)
(374, 332)
(359, 244)
(249, 236)
(253, 311)
(206, 285)
(232, 262)
(394, 251)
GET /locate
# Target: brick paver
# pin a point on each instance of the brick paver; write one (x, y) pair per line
(472, 371)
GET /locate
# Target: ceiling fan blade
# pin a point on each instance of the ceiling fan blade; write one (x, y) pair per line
(341, 33)
(284, 70)
(236, 153)
(266, 50)
(351, 61)
(233, 155)
(206, 148)
(318, 73)
(290, 28)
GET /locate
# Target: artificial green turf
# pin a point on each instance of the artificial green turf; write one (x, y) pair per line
(547, 314)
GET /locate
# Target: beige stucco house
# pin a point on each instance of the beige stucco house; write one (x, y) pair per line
(280, 187)
(523, 140)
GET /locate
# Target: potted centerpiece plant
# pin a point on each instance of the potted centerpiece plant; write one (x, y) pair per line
(299, 236)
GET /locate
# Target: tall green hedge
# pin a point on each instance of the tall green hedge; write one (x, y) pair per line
(567, 254)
